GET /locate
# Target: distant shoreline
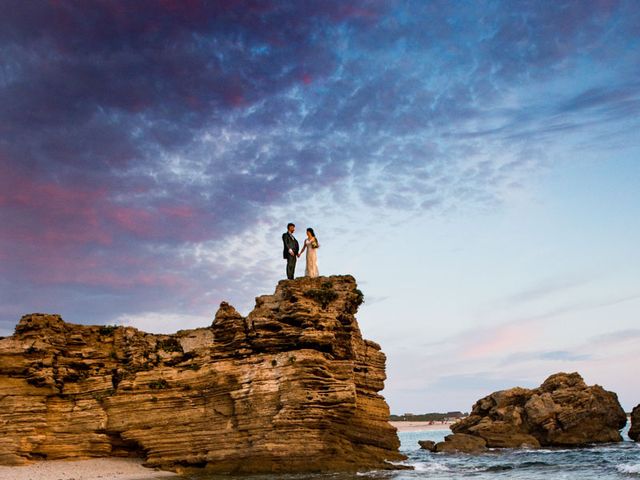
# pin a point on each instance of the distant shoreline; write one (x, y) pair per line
(421, 426)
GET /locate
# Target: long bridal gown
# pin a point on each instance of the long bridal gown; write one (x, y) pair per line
(311, 270)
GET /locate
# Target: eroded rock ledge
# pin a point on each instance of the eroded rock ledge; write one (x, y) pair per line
(293, 387)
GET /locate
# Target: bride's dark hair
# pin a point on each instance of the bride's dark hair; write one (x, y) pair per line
(313, 234)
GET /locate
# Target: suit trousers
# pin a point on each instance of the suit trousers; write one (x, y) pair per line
(291, 266)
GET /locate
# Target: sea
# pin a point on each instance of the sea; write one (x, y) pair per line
(605, 462)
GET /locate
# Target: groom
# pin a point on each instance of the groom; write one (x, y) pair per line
(290, 252)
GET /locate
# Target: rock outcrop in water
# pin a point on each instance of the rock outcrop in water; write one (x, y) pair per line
(292, 387)
(458, 442)
(563, 411)
(634, 431)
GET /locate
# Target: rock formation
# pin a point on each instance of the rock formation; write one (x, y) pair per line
(427, 445)
(292, 387)
(461, 442)
(456, 443)
(634, 431)
(563, 411)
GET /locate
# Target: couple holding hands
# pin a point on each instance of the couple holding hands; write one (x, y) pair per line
(292, 251)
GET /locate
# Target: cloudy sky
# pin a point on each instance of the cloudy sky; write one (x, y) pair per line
(476, 166)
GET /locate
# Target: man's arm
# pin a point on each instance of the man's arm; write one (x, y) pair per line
(286, 239)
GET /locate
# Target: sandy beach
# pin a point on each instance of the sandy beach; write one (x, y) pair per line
(420, 426)
(92, 469)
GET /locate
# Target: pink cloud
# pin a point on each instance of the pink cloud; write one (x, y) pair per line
(500, 340)
(51, 214)
(57, 234)
(134, 220)
(178, 211)
(115, 280)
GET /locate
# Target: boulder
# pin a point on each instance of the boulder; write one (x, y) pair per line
(461, 443)
(427, 445)
(292, 387)
(634, 431)
(563, 411)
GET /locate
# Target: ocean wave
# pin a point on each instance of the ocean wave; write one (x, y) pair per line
(629, 468)
(535, 464)
(530, 451)
(430, 467)
(498, 468)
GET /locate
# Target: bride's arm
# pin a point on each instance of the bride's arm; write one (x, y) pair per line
(303, 247)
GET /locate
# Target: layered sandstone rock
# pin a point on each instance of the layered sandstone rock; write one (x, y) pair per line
(634, 431)
(291, 387)
(563, 411)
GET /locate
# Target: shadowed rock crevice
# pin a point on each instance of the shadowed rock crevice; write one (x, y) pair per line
(121, 447)
(292, 387)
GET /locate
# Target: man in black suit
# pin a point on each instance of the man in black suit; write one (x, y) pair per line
(290, 252)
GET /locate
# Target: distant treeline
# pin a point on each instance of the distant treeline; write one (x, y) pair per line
(426, 417)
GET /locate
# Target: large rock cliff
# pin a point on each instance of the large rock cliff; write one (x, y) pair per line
(563, 411)
(634, 430)
(292, 387)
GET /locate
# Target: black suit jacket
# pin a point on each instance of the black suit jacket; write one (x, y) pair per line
(289, 244)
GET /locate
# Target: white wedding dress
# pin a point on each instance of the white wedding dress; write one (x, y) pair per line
(311, 270)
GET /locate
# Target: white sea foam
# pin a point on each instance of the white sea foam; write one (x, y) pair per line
(430, 467)
(529, 451)
(629, 468)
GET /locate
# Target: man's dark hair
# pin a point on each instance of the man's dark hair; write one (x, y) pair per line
(290, 225)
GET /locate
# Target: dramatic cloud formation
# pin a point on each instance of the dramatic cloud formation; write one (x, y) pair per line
(144, 145)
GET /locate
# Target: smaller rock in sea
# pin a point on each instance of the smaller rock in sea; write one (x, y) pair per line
(461, 443)
(564, 411)
(427, 445)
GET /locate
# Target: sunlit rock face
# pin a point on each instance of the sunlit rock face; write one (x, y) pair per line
(292, 387)
(563, 411)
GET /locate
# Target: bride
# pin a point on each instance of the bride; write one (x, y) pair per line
(311, 245)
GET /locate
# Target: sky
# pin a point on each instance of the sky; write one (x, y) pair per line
(474, 164)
